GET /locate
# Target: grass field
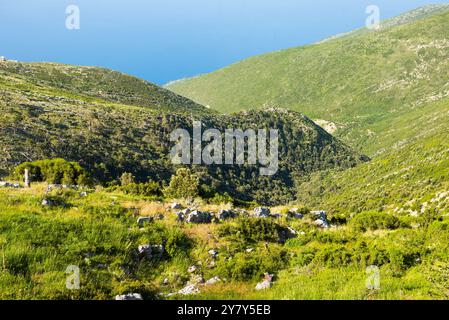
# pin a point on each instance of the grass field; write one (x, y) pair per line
(99, 234)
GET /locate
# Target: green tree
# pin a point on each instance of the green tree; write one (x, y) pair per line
(183, 185)
(127, 179)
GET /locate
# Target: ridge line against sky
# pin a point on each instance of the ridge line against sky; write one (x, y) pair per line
(167, 40)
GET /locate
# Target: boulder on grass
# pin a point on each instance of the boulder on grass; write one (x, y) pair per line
(266, 283)
(142, 220)
(199, 217)
(151, 251)
(321, 219)
(129, 297)
(226, 214)
(212, 281)
(261, 212)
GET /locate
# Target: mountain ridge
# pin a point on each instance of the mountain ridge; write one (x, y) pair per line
(377, 76)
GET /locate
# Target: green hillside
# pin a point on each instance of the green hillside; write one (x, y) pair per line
(112, 123)
(412, 179)
(92, 82)
(362, 83)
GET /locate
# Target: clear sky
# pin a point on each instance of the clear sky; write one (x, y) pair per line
(164, 40)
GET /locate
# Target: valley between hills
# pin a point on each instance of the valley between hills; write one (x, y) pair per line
(363, 179)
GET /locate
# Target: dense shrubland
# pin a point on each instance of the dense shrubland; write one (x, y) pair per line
(50, 111)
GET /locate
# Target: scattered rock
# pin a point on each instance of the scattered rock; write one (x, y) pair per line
(192, 269)
(199, 217)
(321, 220)
(249, 250)
(176, 206)
(7, 184)
(189, 290)
(266, 283)
(46, 203)
(213, 253)
(165, 282)
(129, 297)
(151, 251)
(263, 285)
(261, 212)
(83, 194)
(180, 217)
(212, 281)
(287, 233)
(226, 214)
(196, 280)
(294, 214)
(52, 187)
(142, 220)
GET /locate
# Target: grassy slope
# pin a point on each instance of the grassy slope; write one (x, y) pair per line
(364, 82)
(410, 178)
(98, 233)
(96, 83)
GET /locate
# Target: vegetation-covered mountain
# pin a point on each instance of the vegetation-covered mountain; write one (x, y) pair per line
(361, 84)
(112, 123)
(412, 179)
(386, 91)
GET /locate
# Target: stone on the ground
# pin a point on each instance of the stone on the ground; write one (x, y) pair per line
(189, 290)
(213, 253)
(142, 220)
(199, 217)
(321, 219)
(263, 285)
(151, 251)
(7, 184)
(129, 297)
(212, 281)
(192, 269)
(176, 206)
(261, 212)
(46, 202)
(195, 280)
(180, 217)
(226, 214)
(266, 283)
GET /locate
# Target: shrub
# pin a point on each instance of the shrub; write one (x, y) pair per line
(374, 221)
(251, 229)
(127, 179)
(221, 199)
(148, 189)
(183, 185)
(334, 256)
(251, 266)
(54, 171)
